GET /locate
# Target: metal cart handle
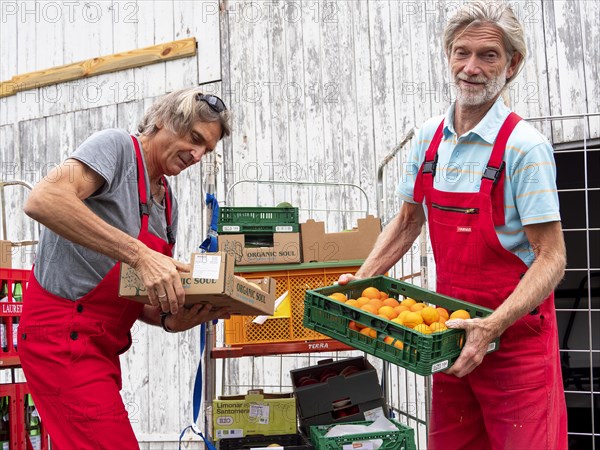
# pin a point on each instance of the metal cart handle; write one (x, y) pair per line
(299, 183)
(4, 184)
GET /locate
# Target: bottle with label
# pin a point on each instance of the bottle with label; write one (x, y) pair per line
(32, 423)
(3, 330)
(4, 424)
(17, 298)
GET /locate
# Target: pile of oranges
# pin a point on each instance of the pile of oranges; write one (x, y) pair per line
(408, 312)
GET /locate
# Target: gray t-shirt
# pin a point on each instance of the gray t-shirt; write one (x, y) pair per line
(70, 270)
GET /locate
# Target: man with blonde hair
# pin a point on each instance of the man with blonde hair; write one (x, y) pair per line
(485, 182)
(109, 203)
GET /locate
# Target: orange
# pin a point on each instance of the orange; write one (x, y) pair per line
(417, 307)
(408, 302)
(352, 302)
(338, 296)
(376, 303)
(355, 326)
(369, 308)
(401, 308)
(422, 328)
(397, 320)
(391, 302)
(371, 292)
(437, 327)
(383, 295)
(391, 341)
(442, 320)
(460, 314)
(388, 311)
(363, 301)
(429, 315)
(369, 332)
(401, 316)
(443, 312)
(412, 319)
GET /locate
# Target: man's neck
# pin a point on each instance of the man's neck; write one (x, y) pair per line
(466, 117)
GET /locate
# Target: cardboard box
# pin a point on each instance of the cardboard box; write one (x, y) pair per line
(6, 254)
(342, 246)
(338, 395)
(211, 281)
(237, 416)
(285, 249)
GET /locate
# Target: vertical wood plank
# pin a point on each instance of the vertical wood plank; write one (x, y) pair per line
(330, 94)
(365, 128)
(346, 85)
(184, 72)
(590, 12)
(315, 158)
(206, 28)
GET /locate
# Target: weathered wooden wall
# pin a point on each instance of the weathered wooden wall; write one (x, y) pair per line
(321, 91)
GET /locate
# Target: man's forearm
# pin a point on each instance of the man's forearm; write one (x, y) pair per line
(538, 282)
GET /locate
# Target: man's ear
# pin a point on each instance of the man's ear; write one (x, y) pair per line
(514, 63)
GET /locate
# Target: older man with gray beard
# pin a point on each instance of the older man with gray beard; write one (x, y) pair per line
(485, 182)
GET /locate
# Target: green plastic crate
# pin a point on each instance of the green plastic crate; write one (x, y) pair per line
(402, 439)
(249, 220)
(423, 354)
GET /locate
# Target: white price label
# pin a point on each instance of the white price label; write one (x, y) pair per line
(358, 445)
(374, 414)
(207, 266)
(260, 412)
(439, 366)
(283, 229)
(231, 228)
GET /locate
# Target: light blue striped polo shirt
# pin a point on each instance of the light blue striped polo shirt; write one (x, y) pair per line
(530, 194)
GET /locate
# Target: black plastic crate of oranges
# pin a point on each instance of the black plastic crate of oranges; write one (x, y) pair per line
(407, 341)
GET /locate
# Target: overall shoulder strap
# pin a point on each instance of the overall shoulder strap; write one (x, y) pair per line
(492, 180)
(141, 183)
(427, 171)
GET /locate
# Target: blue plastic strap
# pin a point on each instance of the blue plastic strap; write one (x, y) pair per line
(211, 244)
(197, 396)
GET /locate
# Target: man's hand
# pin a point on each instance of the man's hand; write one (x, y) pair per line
(160, 275)
(346, 278)
(187, 318)
(479, 334)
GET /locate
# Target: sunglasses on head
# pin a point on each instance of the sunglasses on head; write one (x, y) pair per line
(214, 102)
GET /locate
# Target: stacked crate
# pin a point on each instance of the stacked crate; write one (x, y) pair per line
(260, 235)
(20, 426)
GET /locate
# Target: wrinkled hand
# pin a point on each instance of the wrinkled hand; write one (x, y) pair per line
(188, 318)
(346, 278)
(479, 334)
(160, 275)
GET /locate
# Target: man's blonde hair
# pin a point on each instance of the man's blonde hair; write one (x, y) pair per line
(178, 110)
(497, 13)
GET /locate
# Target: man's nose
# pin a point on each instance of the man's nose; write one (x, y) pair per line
(197, 153)
(472, 66)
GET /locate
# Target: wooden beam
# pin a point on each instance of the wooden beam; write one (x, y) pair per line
(97, 66)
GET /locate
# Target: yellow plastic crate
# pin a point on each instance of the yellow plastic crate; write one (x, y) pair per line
(296, 279)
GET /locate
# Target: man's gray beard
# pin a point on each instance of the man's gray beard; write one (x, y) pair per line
(465, 96)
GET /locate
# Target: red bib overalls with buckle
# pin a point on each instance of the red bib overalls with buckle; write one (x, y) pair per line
(69, 352)
(515, 398)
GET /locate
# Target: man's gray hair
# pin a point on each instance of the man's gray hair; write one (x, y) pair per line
(497, 13)
(178, 111)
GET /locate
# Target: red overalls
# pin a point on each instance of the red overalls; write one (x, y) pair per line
(515, 398)
(69, 352)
